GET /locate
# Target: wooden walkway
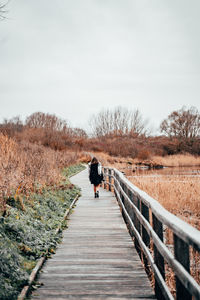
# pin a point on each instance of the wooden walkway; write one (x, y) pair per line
(97, 258)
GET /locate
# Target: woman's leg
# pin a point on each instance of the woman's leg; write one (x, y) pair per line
(96, 191)
(96, 188)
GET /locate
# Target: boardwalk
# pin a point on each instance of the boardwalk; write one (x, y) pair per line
(96, 259)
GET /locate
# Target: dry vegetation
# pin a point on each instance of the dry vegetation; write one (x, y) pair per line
(178, 160)
(33, 154)
(178, 194)
(26, 166)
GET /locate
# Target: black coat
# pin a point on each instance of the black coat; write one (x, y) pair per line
(94, 176)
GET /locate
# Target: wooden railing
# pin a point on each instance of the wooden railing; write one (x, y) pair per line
(151, 226)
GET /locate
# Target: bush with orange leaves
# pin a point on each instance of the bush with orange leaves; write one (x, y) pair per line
(25, 166)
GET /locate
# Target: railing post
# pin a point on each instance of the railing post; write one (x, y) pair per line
(137, 225)
(131, 211)
(103, 183)
(126, 204)
(112, 180)
(158, 258)
(145, 235)
(181, 253)
(122, 199)
(109, 179)
(116, 178)
(105, 178)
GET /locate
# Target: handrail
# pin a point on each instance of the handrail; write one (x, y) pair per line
(148, 222)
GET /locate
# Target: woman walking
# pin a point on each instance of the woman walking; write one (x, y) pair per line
(95, 175)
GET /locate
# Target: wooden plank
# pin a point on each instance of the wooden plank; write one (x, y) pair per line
(97, 259)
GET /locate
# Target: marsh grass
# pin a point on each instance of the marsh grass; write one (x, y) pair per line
(178, 160)
(179, 194)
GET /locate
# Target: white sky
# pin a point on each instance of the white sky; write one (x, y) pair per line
(75, 57)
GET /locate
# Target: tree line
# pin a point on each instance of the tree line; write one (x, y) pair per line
(182, 124)
(118, 131)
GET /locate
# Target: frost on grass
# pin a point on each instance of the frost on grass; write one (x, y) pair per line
(27, 234)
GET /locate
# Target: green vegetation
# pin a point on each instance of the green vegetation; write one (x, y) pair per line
(28, 231)
(73, 170)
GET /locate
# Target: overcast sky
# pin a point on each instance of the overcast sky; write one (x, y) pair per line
(75, 57)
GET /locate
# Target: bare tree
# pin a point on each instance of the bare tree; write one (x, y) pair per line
(182, 124)
(138, 126)
(79, 133)
(11, 126)
(47, 121)
(118, 122)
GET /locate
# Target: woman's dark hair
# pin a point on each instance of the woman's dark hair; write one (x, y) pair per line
(94, 160)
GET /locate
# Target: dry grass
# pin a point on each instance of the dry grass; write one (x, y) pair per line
(178, 194)
(119, 163)
(25, 166)
(178, 160)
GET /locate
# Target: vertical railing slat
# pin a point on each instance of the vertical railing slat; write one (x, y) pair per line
(138, 226)
(181, 253)
(145, 235)
(158, 258)
(109, 179)
(131, 212)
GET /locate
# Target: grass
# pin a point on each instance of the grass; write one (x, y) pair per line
(169, 190)
(178, 194)
(28, 232)
(25, 165)
(73, 170)
(178, 160)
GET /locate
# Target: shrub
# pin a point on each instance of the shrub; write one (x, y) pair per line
(143, 154)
